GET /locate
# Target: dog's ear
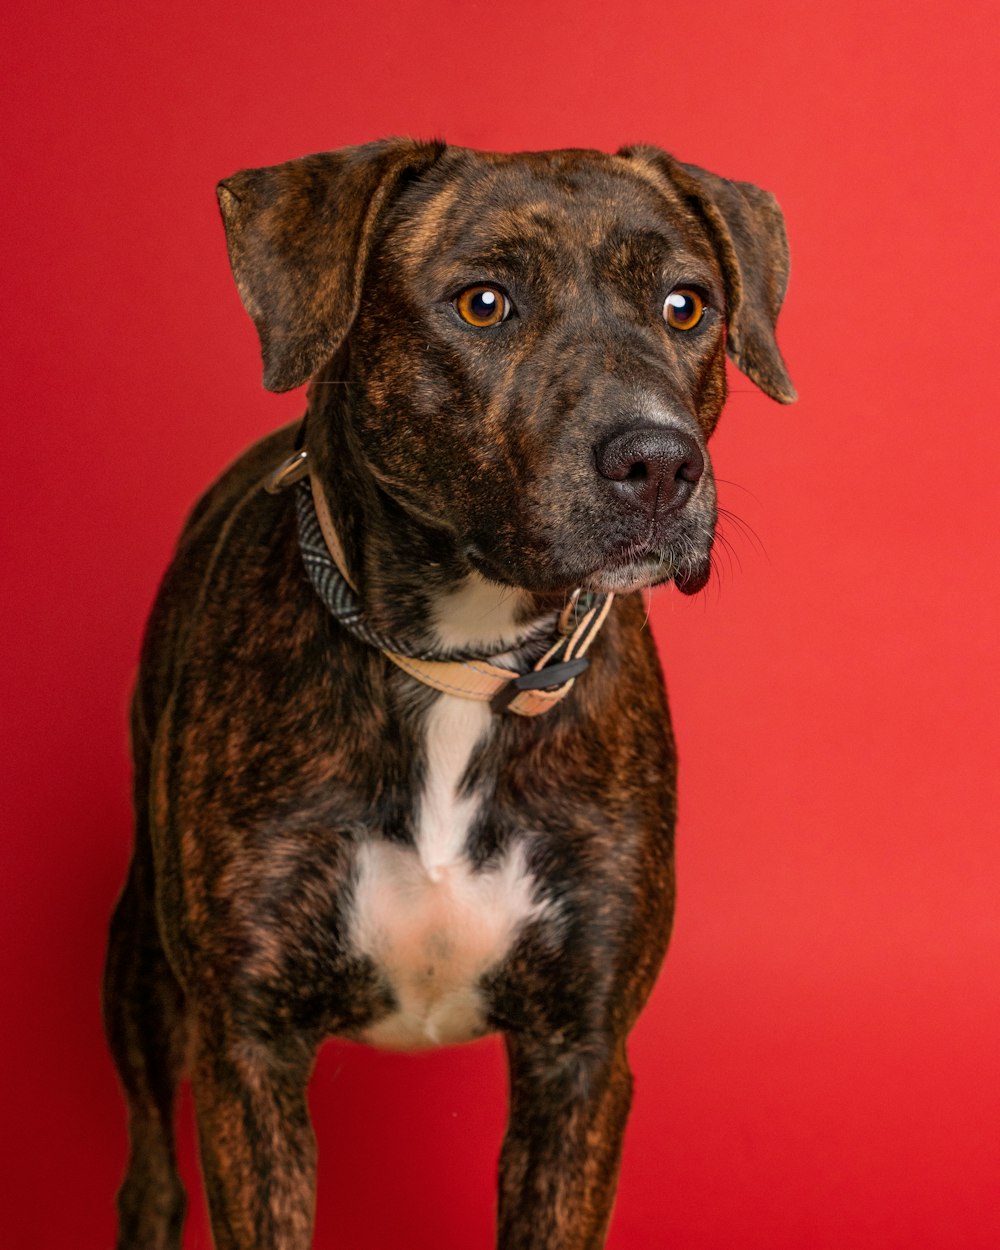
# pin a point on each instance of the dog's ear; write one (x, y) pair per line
(747, 230)
(298, 237)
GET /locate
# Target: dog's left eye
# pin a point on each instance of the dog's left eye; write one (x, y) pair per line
(483, 306)
(683, 309)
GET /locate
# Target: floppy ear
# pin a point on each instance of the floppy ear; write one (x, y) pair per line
(747, 230)
(299, 236)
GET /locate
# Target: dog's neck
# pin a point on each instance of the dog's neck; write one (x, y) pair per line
(413, 582)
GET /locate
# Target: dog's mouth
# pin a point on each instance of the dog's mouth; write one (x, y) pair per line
(634, 567)
(679, 550)
(689, 571)
(553, 550)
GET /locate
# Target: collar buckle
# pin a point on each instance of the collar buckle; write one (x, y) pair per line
(551, 677)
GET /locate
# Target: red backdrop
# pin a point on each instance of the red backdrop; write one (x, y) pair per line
(818, 1065)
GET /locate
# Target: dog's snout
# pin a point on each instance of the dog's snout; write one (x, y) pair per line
(651, 467)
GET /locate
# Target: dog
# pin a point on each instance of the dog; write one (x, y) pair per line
(404, 769)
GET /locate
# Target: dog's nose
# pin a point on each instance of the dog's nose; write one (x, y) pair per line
(651, 464)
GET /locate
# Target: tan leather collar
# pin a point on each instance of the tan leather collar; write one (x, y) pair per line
(488, 683)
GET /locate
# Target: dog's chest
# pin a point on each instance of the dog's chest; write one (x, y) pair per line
(431, 923)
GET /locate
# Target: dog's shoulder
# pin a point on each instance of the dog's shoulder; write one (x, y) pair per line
(243, 475)
(230, 516)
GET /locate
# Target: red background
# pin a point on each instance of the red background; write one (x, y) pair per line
(818, 1065)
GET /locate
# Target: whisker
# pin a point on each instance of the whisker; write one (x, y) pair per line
(732, 555)
(648, 600)
(745, 530)
(716, 578)
(725, 481)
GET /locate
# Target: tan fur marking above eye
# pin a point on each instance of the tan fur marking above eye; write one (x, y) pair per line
(425, 233)
(640, 168)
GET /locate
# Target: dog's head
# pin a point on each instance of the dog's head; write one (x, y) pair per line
(536, 341)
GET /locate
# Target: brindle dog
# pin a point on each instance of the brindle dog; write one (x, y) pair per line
(516, 362)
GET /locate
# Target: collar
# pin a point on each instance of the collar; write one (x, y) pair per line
(467, 675)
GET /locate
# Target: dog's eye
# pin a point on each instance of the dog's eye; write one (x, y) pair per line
(683, 309)
(483, 306)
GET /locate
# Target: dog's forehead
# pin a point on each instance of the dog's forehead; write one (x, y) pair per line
(480, 204)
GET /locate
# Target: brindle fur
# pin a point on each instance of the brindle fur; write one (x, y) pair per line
(268, 742)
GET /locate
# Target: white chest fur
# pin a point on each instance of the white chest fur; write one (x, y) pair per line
(431, 924)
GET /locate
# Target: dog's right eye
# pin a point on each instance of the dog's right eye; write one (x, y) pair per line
(483, 306)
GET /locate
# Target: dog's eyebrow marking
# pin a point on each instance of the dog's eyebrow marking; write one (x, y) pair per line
(424, 233)
(655, 240)
(514, 256)
(647, 247)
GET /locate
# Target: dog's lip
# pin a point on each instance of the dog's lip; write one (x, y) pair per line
(690, 581)
(633, 566)
(636, 566)
(647, 574)
(624, 576)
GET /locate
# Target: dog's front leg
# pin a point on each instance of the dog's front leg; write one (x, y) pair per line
(560, 1157)
(258, 1151)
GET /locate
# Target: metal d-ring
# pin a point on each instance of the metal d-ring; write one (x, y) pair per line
(567, 621)
(291, 470)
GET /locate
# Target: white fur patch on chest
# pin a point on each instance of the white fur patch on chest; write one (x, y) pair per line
(432, 925)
